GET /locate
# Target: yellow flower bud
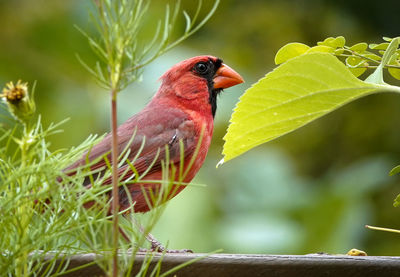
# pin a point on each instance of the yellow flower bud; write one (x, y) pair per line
(14, 93)
(19, 103)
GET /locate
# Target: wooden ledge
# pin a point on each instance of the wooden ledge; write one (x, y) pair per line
(243, 265)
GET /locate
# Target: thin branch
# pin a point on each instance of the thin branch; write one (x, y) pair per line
(115, 195)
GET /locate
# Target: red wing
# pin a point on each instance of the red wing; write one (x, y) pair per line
(145, 136)
(152, 162)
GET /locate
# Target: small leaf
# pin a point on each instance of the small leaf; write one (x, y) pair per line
(337, 42)
(354, 61)
(294, 94)
(338, 51)
(397, 201)
(321, 49)
(380, 46)
(290, 51)
(394, 171)
(387, 39)
(353, 64)
(359, 47)
(373, 56)
(395, 72)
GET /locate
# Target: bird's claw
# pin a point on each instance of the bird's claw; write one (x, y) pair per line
(156, 246)
(163, 250)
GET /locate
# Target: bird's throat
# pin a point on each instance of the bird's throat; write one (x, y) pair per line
(213, 99)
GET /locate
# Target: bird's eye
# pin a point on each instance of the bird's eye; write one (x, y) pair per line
(202, 68)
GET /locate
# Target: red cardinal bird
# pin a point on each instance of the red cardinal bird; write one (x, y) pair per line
(183, 109)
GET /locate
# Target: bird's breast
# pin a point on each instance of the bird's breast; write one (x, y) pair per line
(203, 127)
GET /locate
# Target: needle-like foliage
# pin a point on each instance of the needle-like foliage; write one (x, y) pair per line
(47, 215)
(122, 55)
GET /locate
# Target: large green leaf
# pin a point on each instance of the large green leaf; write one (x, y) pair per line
(295, 93)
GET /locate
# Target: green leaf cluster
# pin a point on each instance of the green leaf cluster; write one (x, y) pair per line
(358, 57)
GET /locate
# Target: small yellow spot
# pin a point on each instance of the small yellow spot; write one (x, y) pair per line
(14, 93)
(356, 252)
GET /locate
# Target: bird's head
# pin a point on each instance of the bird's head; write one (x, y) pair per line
(197, 81)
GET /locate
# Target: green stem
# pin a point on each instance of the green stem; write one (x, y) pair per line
(382, 229)
(353, 53)
(24, 145)
(115, 196)
(371, 66)
(22, 216)
(388, 88)
(115, 77)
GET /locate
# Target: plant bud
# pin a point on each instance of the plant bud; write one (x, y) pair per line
(18, 101)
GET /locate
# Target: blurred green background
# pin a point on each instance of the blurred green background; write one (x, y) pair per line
(310, 191)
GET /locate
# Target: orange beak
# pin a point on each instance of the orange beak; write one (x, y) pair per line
(226, 77)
